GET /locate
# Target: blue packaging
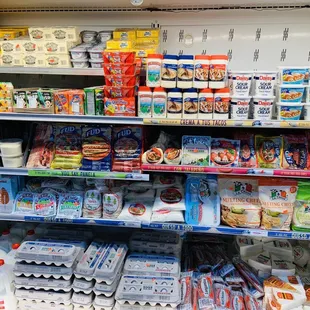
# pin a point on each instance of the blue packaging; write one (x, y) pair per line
(202, 200)
(8, 191)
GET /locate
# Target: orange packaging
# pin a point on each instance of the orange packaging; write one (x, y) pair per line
(61, 102)
(76, 101)
(120, 106)
(222, 296)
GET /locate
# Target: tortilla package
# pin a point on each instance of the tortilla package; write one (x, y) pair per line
(277, 198)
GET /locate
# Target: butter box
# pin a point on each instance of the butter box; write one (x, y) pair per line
(9, 34)
(34, 60)
(10, 46)
(12, 59)
(57, 61)
(152, 41)
(57, 47)
(119, 44)
(40, 33)
(148, 33)
(28, 46)
(69, 34)
(124, 34)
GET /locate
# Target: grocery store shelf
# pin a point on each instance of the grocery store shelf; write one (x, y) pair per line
(251, 123)
(85, 119)
(51, 71)
(75, 174)
(228, 170)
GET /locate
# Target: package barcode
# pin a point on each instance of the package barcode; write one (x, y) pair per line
(70, 36)
(41, 62)
(204, 302)
(48, 36)
(40, 49)
(164, 298)
(63, 62)
(62, 49)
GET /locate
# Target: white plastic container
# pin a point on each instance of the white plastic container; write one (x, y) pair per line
(7, 298)
(145, 98)
(174, 103)
(169, 71)
(205, 104)
(201, 74)
(159, 103)
(262, 107)
(218, 71)
(31, 236)
(96, 63)
(289, 111)
(12, 161)
(185, 71)
(7, 240)
(240, 83)
(79, 51)
(190, 104)
(95, 52)
(10, 258)
(221, 104)
(11, 147)
(153, 70)
(291, 93)
(307, 112)
(80, 63)
(239, 108)
(264, 83)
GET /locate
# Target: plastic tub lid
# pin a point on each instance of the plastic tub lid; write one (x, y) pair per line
(11, 156)
(206, 90)
(262, 97)
(175, 90)
(173, 57)
(155, 56)
(203, 57)
(266, 72)
(222, 90)
(186, 57)
(11, 141)
(88, 32)
(80, 60)
(241, 98)
(159, 89)
(222, 57)
(15, 246)
(190, 90)
(290, 104)
(95, 60)
(240, 71)
(1, 262)
(292, 85)
(144, 88)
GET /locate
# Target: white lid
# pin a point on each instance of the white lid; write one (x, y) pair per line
(96, 60)
(292, 85)
(11, 156)
(264, 98)
(265, 72)
(240, 72)
(240, 98)
(11, 141)
(80, 60)
(293, 67)
(290, 104)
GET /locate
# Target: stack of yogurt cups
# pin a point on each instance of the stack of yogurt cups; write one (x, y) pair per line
(293, 93)
(244, 106)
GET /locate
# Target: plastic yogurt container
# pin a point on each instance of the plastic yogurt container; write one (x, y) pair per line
(80, 51)
(89, 36)
(292, 75)
(291, 93)
(307, 112)
(12, 161)
(262, 107)
(96, 63)
(264, 83)
(104, 36)
(80, 63)
(95, 52)
(11, 147)
(239, 107)
(289, 111)
(240, 83)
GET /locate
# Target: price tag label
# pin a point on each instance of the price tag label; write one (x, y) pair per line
(300, 236)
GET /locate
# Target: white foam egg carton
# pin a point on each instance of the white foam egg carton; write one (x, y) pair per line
(81, 285)
(81, 299)
(157, 265)
(90, 259)
(42, 283)
(105, 289)
(77, 307)
(102, 302)
(47, 296)
(148, 290)
(47, 253)
(125, 306)
(56, 272)
(38, 305)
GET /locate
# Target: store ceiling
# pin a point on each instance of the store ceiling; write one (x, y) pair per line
(146, 3)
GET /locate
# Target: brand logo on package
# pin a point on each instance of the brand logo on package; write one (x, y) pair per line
(243, 188)
(278, 194)
(67, 129)
(124, 133)
(93, 132)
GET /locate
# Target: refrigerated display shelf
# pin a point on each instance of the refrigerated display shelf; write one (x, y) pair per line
(75, 174)
(228, 170)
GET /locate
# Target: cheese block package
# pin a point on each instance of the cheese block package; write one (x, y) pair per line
(277, 198)
(286, 300)
(239, 202)
(301, 216)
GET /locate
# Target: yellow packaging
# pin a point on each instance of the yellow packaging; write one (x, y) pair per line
(34, 60)
(117, 50)
(6, 86)
(143, 51)
(12, 59)
(124, 34)
(9, 34)
(148, 33)
(23, 31)
(119, 44)
(6, 105)
(150, 41)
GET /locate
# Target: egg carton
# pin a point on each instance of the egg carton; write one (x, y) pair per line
(125, 306)
(47, 253)
(56, 272)
(104, 303)
(90, 259)
(157, 265)
(105, 289)
(65, 303)
(42, 283)
(77, 307)
(148, 290)
(49, 296)
(81, 299)
(38, 305)
(81, 285)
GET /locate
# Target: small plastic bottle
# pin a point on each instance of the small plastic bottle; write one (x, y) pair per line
(185, 71)
(145, 98)
(153, 70)
(10, 258)
(7, 298)
(175, 103)
(31, 235)
(190, 104)
(169, 70)
(159, 105)
(206, 104)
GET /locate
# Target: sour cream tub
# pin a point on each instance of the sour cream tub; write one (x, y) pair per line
(291, 93)
(240, 83)
(289, 111)
(262, 107)
(264, 83)
(11, 147)
(292, 75)
(239, 107)
(12, 161)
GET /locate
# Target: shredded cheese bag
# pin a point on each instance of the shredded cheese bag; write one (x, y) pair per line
(277, 198)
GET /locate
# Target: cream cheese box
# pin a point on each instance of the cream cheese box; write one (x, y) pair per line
(57, 61)
(40, 33)
(58, 47)
(34, 60)
(69, 34)
(30, 47)
(12, 59)
(10, 46)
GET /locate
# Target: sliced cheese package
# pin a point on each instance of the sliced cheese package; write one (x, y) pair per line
(282, 248)
(280, 267)
(286, 300)
(261, 262)
(248, 246)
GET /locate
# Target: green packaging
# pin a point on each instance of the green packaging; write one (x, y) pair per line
(301, 216)
(93, 104)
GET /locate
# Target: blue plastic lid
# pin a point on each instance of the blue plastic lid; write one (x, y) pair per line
(173, 57)
(188, 57)
(175, 90)
(191, 90)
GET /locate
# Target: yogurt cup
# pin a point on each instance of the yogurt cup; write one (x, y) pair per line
(307, 112)
(289, 111)
(96, 63)
(291, 93)
(80, 63)
(12, 161)
(240, 83)
(239, 107)
(104, 36)
(11, 147)
(262, 107)
(89, 36)
(264, 83)
(292, 75)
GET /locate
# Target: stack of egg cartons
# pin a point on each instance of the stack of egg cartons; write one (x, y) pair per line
(43, 273)
(97, 275)
(151, 280)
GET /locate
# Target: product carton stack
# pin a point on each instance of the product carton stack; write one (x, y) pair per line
(39, 47)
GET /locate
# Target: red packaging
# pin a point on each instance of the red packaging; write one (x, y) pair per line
(120, 68)
(119, 57)
(120, 80)
(205, 292)
(76, 101)
(237, 300)
(222, 296)
(119, 91)
(186, 290)
(120, 106)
